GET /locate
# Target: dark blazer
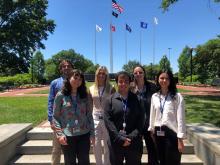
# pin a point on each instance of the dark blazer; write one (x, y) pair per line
(145, 101)
(113, 117)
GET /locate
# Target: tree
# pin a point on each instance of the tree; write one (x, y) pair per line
(207, 60)
(76, 59)
(165, 4)
(50, 70)
(151, 71)
(92, 69)
(130, 66)
(38, 67)
(184, 63)
(164, 63)
(23, 25)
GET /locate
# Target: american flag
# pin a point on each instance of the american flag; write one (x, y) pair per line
(117, 6)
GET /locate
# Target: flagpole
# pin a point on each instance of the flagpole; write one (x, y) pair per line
(95, 47)
(126, 60)
(140, 46)
(154, 36)
(111, 49)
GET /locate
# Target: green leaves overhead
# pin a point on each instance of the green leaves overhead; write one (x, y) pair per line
(23, 26)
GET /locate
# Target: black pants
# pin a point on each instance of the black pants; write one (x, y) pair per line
(167, 147)
(132, 154)
(78, 148)
(151, 149)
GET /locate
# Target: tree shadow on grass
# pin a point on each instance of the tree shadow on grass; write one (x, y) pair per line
(203, 109)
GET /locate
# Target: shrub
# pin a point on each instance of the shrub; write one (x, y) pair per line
(17, 80)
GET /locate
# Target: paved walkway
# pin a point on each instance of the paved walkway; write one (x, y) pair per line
(23, 92)
(204, 91)
(210, 91)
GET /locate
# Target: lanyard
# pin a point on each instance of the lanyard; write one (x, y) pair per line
(74, 102)
(101, 94)
(162, 105)
(125, 107)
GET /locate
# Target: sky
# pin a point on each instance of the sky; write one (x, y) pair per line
(187, 23)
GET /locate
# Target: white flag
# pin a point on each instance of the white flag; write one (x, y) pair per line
(155, 20)
(98, 28)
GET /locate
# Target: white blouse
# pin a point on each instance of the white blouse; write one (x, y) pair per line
(172, 115)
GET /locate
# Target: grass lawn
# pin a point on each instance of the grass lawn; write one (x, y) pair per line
(23, 109)
(199, 109)
(183, 90)
(203, 109)
(45, 91)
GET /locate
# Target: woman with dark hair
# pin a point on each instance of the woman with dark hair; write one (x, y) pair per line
(144, 90)
(167, 119)
(124, 121)
(73, 119)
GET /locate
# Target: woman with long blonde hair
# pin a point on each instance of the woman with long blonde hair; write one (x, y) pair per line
(99, 91)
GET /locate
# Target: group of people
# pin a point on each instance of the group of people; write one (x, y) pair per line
(121, 118)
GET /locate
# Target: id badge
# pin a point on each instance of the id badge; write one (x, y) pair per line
(160, 133)
(124, 125)
(123, 132)
(76, 129)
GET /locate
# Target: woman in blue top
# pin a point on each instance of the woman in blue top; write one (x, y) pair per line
(73, 119)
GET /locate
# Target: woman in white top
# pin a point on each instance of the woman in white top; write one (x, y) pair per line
(167, 119)
(100, 91)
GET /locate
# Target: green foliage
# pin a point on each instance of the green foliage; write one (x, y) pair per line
(130, 66)
(195, 78)
(23, 26)
(165, 4)
(50, 70)
(92, 69)
(151, 71)
(164, 63)
(17, 80)
(37, 68)
(184, 64)
(78, 61)
(207, 60)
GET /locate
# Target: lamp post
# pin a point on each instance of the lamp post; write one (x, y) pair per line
(191, 51)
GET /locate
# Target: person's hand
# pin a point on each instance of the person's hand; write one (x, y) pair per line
(52, 126)
(127, 142)
(62, 140)
(152, 136)
(180, 145)
(92, 141)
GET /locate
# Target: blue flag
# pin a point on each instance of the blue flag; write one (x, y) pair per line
(128, 28)
(144, 25)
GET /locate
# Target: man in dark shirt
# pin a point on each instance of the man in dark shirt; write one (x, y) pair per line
(124, 120)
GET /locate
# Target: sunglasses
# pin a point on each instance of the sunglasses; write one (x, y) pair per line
(138, 73)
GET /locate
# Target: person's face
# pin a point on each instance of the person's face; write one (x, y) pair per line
(75, 81)
(123, 84)
(164, 80)
(138, 74)
(101, 76)
(66, 68)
